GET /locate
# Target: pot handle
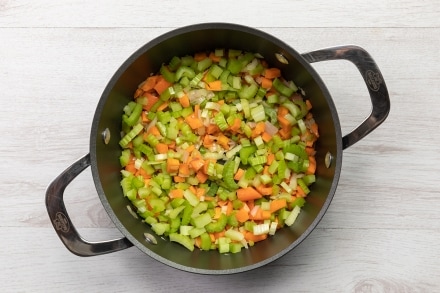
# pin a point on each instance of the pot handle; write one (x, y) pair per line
(62, 223)
(373, 78)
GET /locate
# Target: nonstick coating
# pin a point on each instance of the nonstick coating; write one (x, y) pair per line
(187, 41)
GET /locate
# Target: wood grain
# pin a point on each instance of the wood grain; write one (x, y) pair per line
(382, 230)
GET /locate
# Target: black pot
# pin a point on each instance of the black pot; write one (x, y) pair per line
(104, 148)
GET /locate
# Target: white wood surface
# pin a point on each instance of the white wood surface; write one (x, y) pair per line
(382, 230)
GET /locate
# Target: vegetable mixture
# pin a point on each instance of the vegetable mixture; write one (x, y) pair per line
(218, 150)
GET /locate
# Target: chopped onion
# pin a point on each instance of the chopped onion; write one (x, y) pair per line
(270, 128)
(151, 124)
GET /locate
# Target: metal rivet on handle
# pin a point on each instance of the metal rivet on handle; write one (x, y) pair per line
(150, 238)
(106, 135)
(328, 159)
(280, 57)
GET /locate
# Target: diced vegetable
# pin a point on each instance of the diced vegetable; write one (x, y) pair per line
(218, 150)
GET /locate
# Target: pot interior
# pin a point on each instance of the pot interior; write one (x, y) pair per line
(187, 41)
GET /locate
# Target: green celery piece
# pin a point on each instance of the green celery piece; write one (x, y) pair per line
(202, 220)
(246, 152)
(135, 115)
(212, 189)
(186, 215)
(196, 232)
(174, 63)
(174, 225)
(282, 88)
(215, 71)
(200, 207)
(130, 135)
(167, 94)
(124, 158)
(299, 201)
(205, 241)
(160, 228)
(166, 73)
(217, 226)
(258, 113)
(220, 120)
(296, 150)
(203, 64)
(248, 91)
(187, 61)
(235, 247)
(184, 71)
(183, 240)
(157, 205)
(228, 175)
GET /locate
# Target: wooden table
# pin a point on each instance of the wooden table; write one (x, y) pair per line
(382, 230)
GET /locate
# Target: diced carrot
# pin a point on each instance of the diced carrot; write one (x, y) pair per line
(266, 83)
(149, 83)
(264, 190)
(200, 56)
(270, 158)
(261, 215)
(151, 100)
(214, 57)
(312, 166)
(259, 129)
(272, 73)
(285, 132)
(178, 179)
(190, 148)
(239, 174)
(161, 85)
(202, 177)
(249, 236)
(308, 104)
(184, 101)
(154, 131)
(196, 164)
(300, 192)
(223, 140)
(314, 129)
(144, 117)
(198, 242)
(230, 208)
(217, 235)
(212, 129)
(217, 213)
(176, 193)
(172, 165)
(162, 107)
(192, 189)
(235, 125)
(208, 141)
(242, 215)
(282, 111)
(283, 121)
(310, 151)
(162, 148)
(215, 85)
(131, 168)
(277, 204)
(193, 122)
(248, 193)
(138, 93)
(200, 192)
(184, 170)
(266, 136)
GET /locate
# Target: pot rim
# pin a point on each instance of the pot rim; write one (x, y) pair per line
(96, 133)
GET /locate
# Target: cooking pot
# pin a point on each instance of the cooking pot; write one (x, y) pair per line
(105, 150)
